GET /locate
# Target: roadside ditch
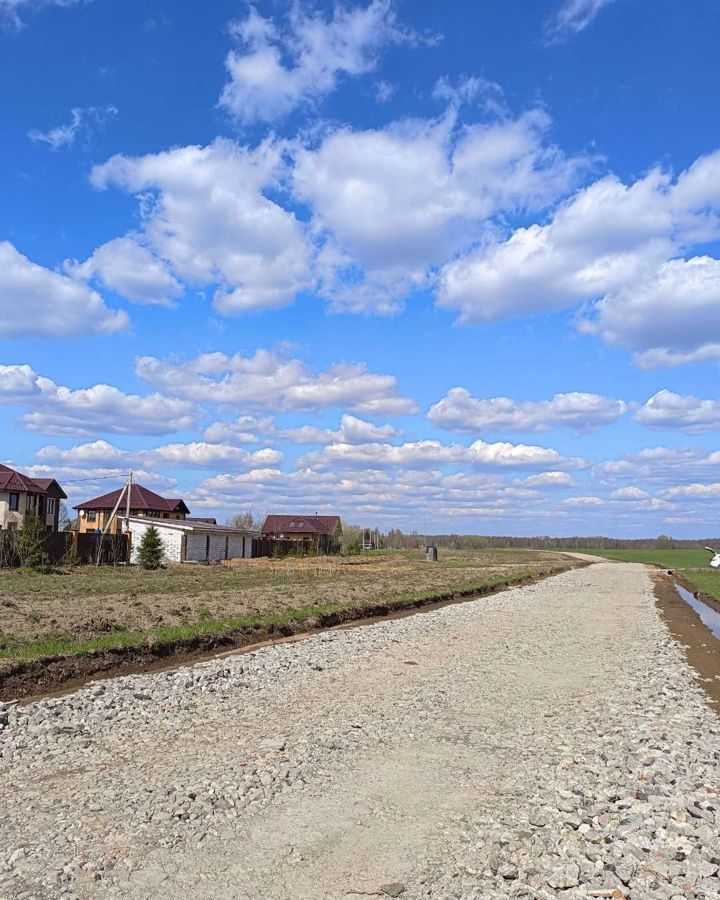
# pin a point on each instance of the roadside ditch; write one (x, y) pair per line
(36, 679)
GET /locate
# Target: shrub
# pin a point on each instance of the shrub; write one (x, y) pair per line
(151, 550)
(31, 542)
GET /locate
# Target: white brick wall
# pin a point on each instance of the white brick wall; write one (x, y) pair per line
(195, 547)
(170, 537)
(197, 543)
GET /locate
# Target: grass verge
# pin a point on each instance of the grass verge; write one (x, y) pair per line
(169, 635)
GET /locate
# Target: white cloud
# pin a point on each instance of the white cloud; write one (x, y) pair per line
(630, 493)
(248, 430)
(101, 408)
(606, 236)
(243, 430)
(126, 267)
(661, 357)
(270, 380)
(662, 464)
(195, 454)
(263, 87)
(674, 309)
(549, 480)
(620, 250)
(206, 213)
(390, 204)
(582, 501)
(583, 412)
(669, 410)
(384, 91)
(10, 9)
(434, 453)
(38, 302)
(573, 17)
(81, 121)
(693, 492)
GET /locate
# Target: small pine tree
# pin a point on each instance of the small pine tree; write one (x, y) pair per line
(31, 542)
(151, 551)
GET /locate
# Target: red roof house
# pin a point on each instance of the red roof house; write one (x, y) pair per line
(300, 527)
(94, 514)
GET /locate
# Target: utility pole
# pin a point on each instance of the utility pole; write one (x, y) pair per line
(127, 505)
(125, 491)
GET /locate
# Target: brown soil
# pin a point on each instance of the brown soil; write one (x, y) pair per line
(89, 601)
(39, 678)
(702, 648)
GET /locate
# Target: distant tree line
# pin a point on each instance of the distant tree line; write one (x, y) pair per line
(398, 540)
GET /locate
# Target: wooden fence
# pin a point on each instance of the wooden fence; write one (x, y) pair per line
(57, 548)
(322, 545)
(69, 547)
(114, 549)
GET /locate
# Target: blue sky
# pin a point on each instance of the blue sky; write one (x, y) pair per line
(426, 265)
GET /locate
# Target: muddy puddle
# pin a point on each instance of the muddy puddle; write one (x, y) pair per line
(708, 616)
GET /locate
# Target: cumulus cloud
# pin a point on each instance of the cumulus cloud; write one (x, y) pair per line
(251, 430)
(60, 410)
(573, 17)
(582, 412)
(662, 465)
(130, 269)
(668, 410)
(82, 121)
(270, 380)
(607, 235)
(629, 493)
(582, 501)
(434, 453)
(207, 214)
(674, 308)
(276, 69)
(662, 358)
(549, 480)
(370, 493)
(391, 203)
(620, 250)
(709, 492)
(194, 454)
(37, 302)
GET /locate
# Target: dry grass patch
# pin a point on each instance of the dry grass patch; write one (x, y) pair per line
(117, 607)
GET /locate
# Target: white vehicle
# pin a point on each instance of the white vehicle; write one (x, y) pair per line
(715, 561)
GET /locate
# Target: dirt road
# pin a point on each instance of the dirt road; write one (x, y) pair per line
(549, 741)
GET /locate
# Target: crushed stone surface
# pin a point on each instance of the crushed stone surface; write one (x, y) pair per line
(549, 741)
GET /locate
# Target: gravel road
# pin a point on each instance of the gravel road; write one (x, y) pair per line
(549, 741)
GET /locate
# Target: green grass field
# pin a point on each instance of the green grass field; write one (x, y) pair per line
(668, 559)
(691, 564)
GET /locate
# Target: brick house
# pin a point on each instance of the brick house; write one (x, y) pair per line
(93, 515)
(20, 495)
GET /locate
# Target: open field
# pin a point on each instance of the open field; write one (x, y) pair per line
(87, 608)
(669, 559)
(692, 565)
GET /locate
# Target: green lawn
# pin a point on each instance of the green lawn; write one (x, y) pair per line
(693, 565)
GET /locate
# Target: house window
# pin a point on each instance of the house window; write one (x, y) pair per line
(29, 502)
(91, 515)
(51, 506)
(14, 502)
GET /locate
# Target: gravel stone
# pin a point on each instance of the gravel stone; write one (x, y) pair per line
(550, 742)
